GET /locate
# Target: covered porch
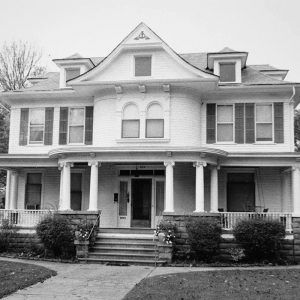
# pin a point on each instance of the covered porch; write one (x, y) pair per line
(138, 191)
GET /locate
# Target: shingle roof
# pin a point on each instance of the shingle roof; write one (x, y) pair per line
(250, 75)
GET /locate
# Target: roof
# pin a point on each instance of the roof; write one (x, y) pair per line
(250, 75)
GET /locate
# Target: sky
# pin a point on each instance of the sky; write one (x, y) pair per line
(268, 29)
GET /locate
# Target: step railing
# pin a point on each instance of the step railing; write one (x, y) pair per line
(23, 217)
(230, 219)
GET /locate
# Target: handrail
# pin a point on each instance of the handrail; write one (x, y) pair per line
(93, 226)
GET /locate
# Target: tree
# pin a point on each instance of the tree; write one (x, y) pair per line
(18, 60)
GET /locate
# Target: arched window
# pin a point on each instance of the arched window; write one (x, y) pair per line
(131, 121)
(155, 121)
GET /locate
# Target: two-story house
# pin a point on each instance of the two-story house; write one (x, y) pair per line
(146, 131)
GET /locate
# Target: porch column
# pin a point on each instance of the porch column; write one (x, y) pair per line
(93, 204)
(169, 204)
(13, 197)
(214, 189)
(296, 189)
(7, 191)
(66, 189)
(199, 165)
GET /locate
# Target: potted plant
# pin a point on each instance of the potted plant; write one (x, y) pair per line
(165, 231)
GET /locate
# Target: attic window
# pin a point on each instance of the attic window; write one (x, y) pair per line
(143, 66)
(227, 72)
(72, 73)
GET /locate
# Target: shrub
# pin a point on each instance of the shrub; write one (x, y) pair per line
(169, 229)
(57, 236)
(6, 231)
(204, 236)
(261, 239)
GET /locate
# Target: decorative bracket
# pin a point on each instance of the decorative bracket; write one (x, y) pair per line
(142, 36)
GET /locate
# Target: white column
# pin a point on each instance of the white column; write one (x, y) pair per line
(93, 204)
(61, 169)
(169, 201)
(66, 190)
(13, 197)
(199, 165)
(214, 205)
(7, 191)
(296, 190)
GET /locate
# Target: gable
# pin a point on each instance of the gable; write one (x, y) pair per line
(119, 64)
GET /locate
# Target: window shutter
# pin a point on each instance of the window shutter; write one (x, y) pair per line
(48, 136)
(278, 122)
(239, 123)
(23, 126)
(63, 125)
(250, 134)
(89, 111)
(211, 123)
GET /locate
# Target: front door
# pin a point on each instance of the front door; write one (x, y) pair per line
(141, 202)
(76, 191)
(240, 192)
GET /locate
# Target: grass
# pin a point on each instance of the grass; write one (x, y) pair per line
(237, 284)
(15, 276)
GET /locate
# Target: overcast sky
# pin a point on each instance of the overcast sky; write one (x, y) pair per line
(268, 29)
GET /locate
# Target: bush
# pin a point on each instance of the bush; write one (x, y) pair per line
(261, 239)
(6, 231)
(57, 236)
(204, 236)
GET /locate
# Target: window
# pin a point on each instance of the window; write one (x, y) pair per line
(72, 73)
(225, 123)
(154, 122)
(76, 125)
(264, 122)
(33, 191)
(227, 72)
(143, 66)
(130, 122)
(36, 125)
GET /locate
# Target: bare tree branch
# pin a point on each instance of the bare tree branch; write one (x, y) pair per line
(18, 60)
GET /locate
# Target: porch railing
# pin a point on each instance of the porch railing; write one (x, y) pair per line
(230, 219)
(22, 217)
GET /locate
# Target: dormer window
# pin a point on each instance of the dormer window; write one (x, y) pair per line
(72, 73)
(142, 65)
(227, 72)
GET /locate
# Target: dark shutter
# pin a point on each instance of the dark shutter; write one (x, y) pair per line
(23, 126)
(211, 123)
(239, 123)
(89, 111)
(278, 122)
(49, 112)
(63, 125)
(250, 134)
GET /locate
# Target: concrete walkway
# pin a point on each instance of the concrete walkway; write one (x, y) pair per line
(95, 281)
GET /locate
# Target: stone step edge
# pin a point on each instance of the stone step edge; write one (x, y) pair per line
(123, 260)
(122, 254)
(123, 249)
(126, 236)
(124, 243)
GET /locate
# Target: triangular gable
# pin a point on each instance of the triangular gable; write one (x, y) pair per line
(142, 37)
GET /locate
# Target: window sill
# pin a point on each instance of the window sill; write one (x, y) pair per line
(143, 140)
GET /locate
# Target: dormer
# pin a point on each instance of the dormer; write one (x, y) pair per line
(227, 64)
(71, 67)
(271, 71)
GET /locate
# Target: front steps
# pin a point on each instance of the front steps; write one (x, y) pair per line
(124, 246)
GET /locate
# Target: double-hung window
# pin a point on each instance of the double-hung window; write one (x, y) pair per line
(264, 122)
(224, 123)
(76, 125)
(36, 125)
(155, 121)
(131, 122)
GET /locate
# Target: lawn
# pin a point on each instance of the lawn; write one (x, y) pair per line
(244, 284)
(16, 276)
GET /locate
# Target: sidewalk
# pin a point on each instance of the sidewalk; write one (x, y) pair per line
(95, 281)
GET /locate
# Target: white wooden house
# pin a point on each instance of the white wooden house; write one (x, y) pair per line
(146, 131)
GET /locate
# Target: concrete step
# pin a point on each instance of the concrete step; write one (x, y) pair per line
(119, 255)
(124, 244)
(123, 249)
(125, 236)
(142, 262)
(135, 230)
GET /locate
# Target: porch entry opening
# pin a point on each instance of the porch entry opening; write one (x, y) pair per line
(240, 192)
(76, 191)
(141, 202)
